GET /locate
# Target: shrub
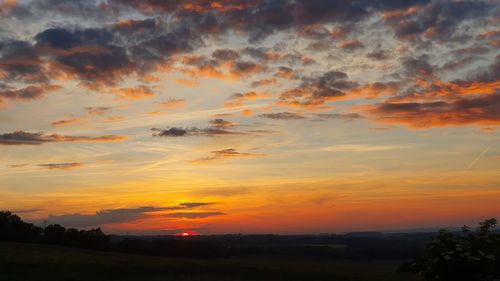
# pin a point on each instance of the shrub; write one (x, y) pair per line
(467, 255)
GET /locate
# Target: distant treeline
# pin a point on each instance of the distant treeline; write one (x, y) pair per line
(358, 246)
(362, 246)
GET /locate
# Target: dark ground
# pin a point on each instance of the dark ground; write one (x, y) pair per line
(26, 262)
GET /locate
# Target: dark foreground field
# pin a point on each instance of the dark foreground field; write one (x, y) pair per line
(25, 262)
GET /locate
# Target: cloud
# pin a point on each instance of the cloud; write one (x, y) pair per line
(97, 110)
(88, 54)
(194, 215)
(221, 124)
(265, 82)
(218, 127)
(225, 55)
(244, 69)
(343, 116)
(313, 116)
(27, 138)
(61, 166)
(225, 154)
(194, 204)
(261, 54)
(285, 73)
(134, 93)
(439, 20)
(238, 99)
(379, 55)
(28, 93)
(191, 131)
(173, 103)
(283, 116)
(19, 165)
(482, 110)
(363, 147)
(112, 216)
(351, 45)
(315, 91)
(67, 122)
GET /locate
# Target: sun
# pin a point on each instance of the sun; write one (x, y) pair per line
(185, 234)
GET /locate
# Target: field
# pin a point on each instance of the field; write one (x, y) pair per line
(25, 262)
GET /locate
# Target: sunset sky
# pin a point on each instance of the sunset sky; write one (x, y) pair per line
(277, 116)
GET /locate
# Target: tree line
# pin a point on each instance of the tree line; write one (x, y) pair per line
(13, 228)
(467, 255)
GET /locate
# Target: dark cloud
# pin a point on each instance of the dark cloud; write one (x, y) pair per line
(439, 20)
(61, 166)
(87, 53)
(27, 138)
(316, 91)
(225, 55)
(28, 93)
(221, 123)
(112, 216)
(194, 215)
(342, 116)
(488, 74)
(418, 66)
(192, 131)
(483, 110)
(97, 57)
(261, 54)
(194, 204)
(283, 116)
(20, 61)
(378, 55)
(246, 68)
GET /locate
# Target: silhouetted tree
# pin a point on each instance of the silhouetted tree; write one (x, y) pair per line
(464, 256)
(12, 228)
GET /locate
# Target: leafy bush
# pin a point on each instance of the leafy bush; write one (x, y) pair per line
(470, 255)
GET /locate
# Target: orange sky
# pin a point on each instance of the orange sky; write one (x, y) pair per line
(249, 116)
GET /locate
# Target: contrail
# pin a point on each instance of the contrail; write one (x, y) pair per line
(477, 158)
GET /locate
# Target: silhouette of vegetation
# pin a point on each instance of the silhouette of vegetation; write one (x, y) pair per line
(469, 255)
(466, 255)
(12, 228)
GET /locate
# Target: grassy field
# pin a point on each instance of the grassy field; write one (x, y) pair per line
(25, 262)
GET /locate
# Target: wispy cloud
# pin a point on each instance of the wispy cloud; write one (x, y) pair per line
(225, 154)
(61, 166)
(364, 147)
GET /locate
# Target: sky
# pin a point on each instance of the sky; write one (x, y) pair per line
(255, 116)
